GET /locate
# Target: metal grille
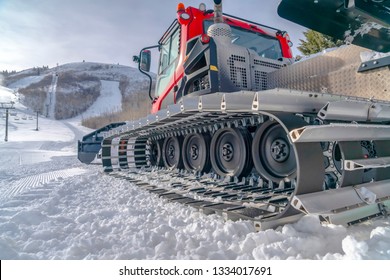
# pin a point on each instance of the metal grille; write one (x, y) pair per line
(260, 68)
(219, 30)
(260, 80)
(238, 74)
(267, 64)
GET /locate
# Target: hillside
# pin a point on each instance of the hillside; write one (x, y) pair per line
(69, 90)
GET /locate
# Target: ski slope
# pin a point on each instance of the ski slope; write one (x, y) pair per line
(54, 207)
(6, 95)
(51, 96)
(110, 100)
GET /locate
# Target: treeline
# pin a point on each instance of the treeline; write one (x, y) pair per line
(34, 96)
(128, 113)
(39, 70)
(6, 73)
(75, 94)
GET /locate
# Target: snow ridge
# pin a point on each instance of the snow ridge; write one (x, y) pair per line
(31, 182)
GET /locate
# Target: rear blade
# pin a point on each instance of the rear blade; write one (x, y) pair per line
(90, 145)
(360, 22)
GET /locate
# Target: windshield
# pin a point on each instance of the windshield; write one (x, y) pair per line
(263, 45)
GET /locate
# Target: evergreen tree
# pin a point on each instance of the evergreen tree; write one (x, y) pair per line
(316, 42)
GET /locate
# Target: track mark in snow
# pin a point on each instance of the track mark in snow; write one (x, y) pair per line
(32, 182)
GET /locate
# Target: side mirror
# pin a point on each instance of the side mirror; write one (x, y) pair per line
(145, 61)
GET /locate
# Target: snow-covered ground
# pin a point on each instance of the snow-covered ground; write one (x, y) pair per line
(26, 81)
(54, 207)
(110, 100)
(6, 95)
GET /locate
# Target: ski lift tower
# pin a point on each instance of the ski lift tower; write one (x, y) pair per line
(6, 106)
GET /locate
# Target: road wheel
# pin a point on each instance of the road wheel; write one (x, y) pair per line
(230, 152)
(196, 152)
(172, 152)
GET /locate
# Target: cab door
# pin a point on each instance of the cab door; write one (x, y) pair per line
(169, 54)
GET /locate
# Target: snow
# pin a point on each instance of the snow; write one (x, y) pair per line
(54, 207)
(7, 95)
(110, 100)
(372, 55)
(365, 28)
(102, 71)
(51, 97)
(26, 81)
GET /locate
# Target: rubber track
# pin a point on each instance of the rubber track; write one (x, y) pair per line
(233, 200)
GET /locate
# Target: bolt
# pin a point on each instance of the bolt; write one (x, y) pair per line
(171, 151)
(194, 152)
(227, 152)
(280, 150)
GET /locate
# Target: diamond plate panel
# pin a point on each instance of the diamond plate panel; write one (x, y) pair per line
(334, 72)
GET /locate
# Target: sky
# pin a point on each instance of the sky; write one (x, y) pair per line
(46, 32)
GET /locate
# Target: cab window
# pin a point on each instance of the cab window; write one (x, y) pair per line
(169, 52)
(263, 45)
